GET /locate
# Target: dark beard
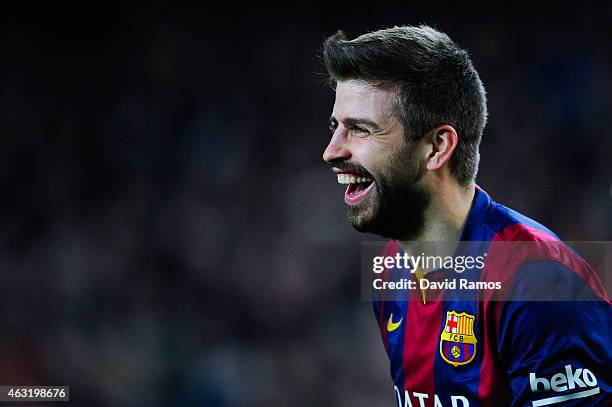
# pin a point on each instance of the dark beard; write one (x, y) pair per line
(396, 208)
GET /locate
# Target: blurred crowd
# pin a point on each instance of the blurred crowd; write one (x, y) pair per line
(169, 233)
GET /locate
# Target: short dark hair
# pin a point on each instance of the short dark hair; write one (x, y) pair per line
(435, 79)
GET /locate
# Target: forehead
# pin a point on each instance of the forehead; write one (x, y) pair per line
(356, 98)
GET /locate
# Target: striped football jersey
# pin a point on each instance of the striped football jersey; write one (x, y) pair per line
(519, 346)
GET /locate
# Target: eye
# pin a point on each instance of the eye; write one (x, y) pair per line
(333, 125)
(360, 131)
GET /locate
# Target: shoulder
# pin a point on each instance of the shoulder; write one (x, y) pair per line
(489, 220)
(510, 225)
(527, 256)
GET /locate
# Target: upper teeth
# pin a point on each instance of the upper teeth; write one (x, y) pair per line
(351, 179)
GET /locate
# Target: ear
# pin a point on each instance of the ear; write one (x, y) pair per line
(442, 142)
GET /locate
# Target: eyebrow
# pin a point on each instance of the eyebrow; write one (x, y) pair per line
(356, 122)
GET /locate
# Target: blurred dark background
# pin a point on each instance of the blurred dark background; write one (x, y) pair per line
(169, 234)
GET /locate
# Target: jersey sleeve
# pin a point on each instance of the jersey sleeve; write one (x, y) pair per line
(555, 339)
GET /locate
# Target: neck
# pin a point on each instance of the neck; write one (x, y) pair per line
(446, 214)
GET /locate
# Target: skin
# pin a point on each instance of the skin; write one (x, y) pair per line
(367, 135)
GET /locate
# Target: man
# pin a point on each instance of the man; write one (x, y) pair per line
(407, 122)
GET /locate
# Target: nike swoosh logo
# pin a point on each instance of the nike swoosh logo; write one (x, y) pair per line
(392, 326)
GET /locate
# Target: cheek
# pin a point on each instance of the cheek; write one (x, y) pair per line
(366, 156)
(403, 166)
(381, 159)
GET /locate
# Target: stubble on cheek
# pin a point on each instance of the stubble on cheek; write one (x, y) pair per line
(395, 206)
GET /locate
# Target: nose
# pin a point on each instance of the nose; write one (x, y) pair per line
(337, 149)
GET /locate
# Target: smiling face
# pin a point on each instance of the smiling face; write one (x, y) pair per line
(386, 192)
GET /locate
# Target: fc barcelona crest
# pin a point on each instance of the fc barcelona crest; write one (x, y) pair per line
(457, 340)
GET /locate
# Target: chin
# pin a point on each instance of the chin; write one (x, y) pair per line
(362, 217)
(398, 214)
(367, 220)
(385, 224)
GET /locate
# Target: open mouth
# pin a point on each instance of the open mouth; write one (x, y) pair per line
(358, 187)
